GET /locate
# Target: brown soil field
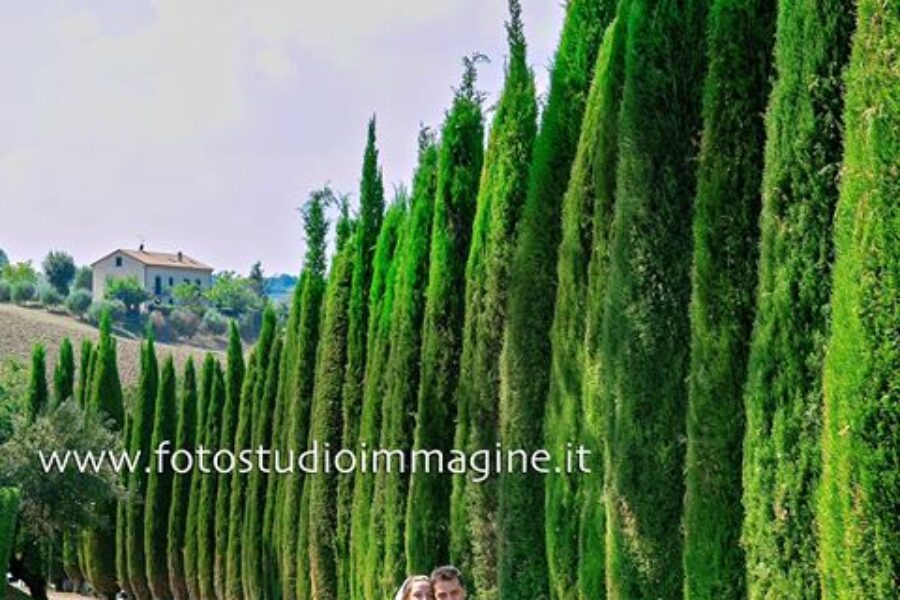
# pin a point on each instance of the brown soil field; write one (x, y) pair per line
(21, 328)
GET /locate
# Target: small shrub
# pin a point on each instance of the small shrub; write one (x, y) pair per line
(214, 322)
(49, 296)
(116, 310)
(250, 324)
(184, 322)
(22, 292)
(78, 302)
(162, 328)
(5, 291)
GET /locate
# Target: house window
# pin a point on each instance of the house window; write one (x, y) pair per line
(157, 285)
(171, 281)
(118, 261)
(198, 282)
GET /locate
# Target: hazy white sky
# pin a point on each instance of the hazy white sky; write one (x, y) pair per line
(201, 125)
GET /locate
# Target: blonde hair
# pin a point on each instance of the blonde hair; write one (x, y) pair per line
(406, 588)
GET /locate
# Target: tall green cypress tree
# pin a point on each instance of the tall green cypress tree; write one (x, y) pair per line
(575, 523)
(301, 377)
(783, 395)
(176, 538)
(425, 385)
(859, 511)
(71, 551)
(105, 400)
(37, 398)
(726, 211)
(84, 368)
(122, 519)
(193, 524)
(646, 324)
(139, 443)
(255, 585)
(243, 440)
(371, 215)
(326, 427)
(409, 266)
(385, 251)
(64, 373)
(601, 128)
(159, 485)
(9, 513)
(234, 380)
(207, 511)
(480, 313)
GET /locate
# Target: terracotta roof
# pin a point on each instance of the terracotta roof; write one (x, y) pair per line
(160, 259)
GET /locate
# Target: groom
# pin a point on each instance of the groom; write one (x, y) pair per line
(447, 584)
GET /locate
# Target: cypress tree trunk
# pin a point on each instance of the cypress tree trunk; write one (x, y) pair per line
(783, 396)
(575, 523)
(593, 431)
(326, 428)
(408, 267)
(105, 400)
(301, 376)
(207, 535)
(159, 486)
(64, 373)
(181, 484)
(141, 437)
(429, 381)
(371, 215)
(646, 325)
(859, 510)
(193, 524)
(233, 385)
(255, 586)
(740, 36)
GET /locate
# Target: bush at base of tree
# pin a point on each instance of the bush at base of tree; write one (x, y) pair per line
(9, 508)
(116, 310)
(78, 302)
(22, 292)
(184, 322)
(5, 291)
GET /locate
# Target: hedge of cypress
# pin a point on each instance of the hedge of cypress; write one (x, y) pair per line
(783, 396)
(859, 511)
(726, 236)
(646, 321)
(208, 551)
(193, 523)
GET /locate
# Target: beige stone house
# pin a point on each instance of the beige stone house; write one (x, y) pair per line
(158, 272)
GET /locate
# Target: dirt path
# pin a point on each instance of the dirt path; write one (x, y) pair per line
(21, 328)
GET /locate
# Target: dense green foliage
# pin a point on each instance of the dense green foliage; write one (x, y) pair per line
(159, 484)
(64, 373)
(419, 398)
(326, 428)
(371, 216)
(9, 510)
(59, 269)
(185, 431)
(859, 509)
(726, 238)
(575, 520)
(209, 549)
(783, 395)
(300, 373)
(37, 399)
(105, 401)
(646, 324)
(234, 381)
(195, 523)
(142, 415)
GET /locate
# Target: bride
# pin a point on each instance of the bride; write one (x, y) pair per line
(417, 587)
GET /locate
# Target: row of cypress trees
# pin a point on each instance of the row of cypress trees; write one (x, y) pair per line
(646, 269)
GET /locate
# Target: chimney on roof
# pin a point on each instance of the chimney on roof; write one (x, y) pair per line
(179, 256)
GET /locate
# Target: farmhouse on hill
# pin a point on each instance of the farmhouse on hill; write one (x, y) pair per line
(158, 272)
